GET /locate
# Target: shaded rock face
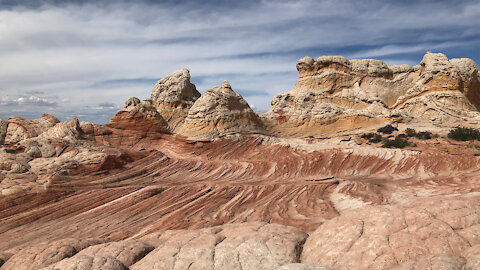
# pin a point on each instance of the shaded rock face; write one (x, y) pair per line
(173, 96)
(334, 94)
(139, 115)
(219, 112)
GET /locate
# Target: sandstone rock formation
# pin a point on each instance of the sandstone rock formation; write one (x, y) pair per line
(19, 128)
(219, 112)
(334, 94)
(233, 246)
(139, 115)
(47, 253)
(87, 262)
(173, 96)
(236, 191)
(424, 232)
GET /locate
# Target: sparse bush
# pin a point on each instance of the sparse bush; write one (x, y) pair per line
(367, 136)
(424, 135)
(410, 132)
(388, 129)
(464, 134)
(372, 137)
(398, 142)
(376, 139)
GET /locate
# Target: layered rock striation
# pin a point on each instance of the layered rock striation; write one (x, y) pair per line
(139, 115)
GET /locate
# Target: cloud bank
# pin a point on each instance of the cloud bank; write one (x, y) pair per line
(85, 58)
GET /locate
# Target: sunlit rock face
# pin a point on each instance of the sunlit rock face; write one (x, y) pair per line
(335, 94)
(173, 96)
(220, 112)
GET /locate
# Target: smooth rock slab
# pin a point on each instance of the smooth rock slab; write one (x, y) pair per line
(45, 254)
(381, 237)
(88, 263)
(127, 252)
(233, 246)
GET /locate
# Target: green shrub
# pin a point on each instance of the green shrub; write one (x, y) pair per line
(388, 129)
(367, 136)
(410, 132)
(372, 137)
(424, 135)
(464, 134)
(398, 142)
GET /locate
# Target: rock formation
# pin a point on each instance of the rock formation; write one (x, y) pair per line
(334, 94)
(173, 96)
(139, 115)
(19, 128)
(183, 181)
(219, 112)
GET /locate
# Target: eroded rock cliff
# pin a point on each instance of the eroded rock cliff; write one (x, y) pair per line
(334, 94)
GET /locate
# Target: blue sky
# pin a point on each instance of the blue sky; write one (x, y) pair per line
(86, 58)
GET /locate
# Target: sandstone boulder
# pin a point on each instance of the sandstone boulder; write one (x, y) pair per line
(219, 112)
(68, 131)
(140, 116)
(19, 128)
(173, 96)
(3, 130)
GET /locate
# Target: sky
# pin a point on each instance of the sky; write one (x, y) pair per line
(85, 58)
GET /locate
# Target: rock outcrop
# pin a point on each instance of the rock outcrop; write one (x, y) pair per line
(334, 94)
(140, 116)
(173, 96)
(47, 253)
(219, 112)
(19, 128)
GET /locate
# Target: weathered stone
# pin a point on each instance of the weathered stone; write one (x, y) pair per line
(219, 112)
(173, 96)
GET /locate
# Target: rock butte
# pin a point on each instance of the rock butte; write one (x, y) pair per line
(188, 181)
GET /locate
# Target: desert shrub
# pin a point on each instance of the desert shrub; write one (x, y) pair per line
(372, 137)
(424, 135)
(464, 134)
(376, 139)
(367, 136)
(398, 142)
(388, 129)
(410, 132)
